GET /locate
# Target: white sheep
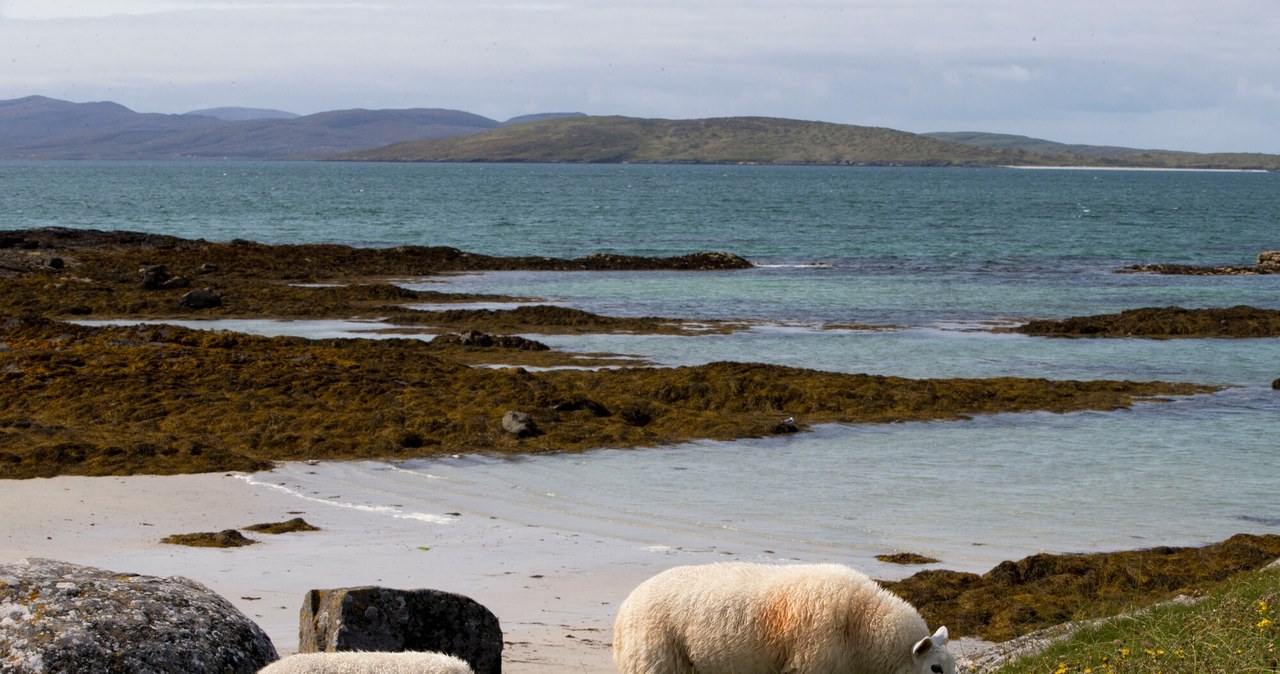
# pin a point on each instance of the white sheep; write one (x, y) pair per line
(368, 662)
(741, 618)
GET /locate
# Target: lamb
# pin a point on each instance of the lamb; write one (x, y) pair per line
(740, 618)
(368, 662)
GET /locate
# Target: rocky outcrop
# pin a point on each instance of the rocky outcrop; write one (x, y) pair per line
(60, 618)
(484, 340)
(1268, 263)
(383, 619)
(1164, 323)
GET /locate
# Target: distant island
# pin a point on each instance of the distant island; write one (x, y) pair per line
(36, 127)
(766, 140)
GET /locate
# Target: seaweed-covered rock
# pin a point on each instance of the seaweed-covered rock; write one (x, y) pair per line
(227, 538)
(59, 618)
(1164, 323)
(1018, 597)
(286, 527)
(475, 338)
(1268, 263)
(383, 619)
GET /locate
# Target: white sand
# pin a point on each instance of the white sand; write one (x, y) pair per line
(553, 590)
(554, 593)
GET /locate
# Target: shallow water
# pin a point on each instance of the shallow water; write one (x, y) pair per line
(938, 255)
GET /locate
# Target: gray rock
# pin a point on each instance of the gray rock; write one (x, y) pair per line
(384, 619)
(58, 618)
(1268, 262)
(203, 298)
(519, 424)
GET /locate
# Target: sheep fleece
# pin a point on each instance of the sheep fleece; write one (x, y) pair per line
(758, 618)
(363, 662)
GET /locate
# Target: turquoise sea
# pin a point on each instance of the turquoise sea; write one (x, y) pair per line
(932, 258)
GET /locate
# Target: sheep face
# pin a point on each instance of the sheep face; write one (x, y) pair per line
(930, 655)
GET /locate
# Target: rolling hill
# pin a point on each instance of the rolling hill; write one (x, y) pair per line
(729, 140)
(1109, 155)
(764, 140)
(37, 127)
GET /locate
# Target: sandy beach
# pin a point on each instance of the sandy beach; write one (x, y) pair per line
(553, 593)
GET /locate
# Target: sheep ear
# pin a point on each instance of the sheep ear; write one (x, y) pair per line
(940, 637)
(922, 646)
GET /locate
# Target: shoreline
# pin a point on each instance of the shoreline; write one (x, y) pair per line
(556, 609)
(553, 585)
(553, 590)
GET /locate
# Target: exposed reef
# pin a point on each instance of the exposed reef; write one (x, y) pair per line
(1268, 263)
(1163, 323)
(162, 399)
(65, 273)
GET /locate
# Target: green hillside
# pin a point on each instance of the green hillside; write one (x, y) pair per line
(764, 140)
(730, 140)
(1109, 155)
(1006, 141)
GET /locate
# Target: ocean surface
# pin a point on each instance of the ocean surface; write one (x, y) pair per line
(897, 271)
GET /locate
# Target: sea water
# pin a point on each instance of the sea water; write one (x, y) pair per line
(878, 270)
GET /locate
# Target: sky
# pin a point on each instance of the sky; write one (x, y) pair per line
(1163, 74)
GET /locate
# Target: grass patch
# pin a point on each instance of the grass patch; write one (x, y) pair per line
(1235, 629)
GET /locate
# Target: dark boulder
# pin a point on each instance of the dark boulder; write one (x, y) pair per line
(155, 276)
(475, 338)
(60, 618)
(384, 619)
(203, 298)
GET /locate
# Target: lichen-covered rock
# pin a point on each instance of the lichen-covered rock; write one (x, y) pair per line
(58, 618)
(383, 619)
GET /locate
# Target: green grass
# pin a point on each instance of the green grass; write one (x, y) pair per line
(1234, 630)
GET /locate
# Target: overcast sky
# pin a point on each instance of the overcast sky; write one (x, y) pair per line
(1169, 74)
